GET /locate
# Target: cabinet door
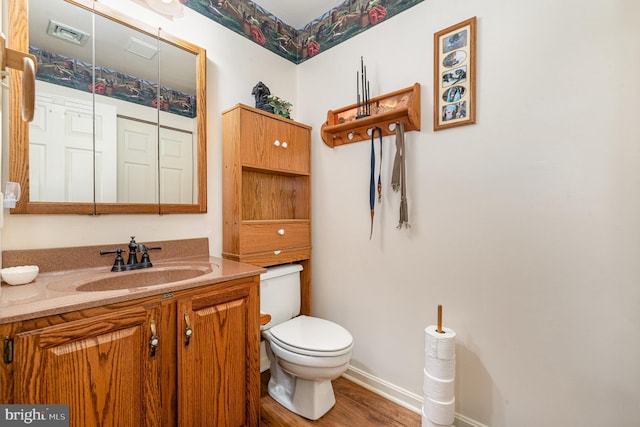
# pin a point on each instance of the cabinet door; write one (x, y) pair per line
(101, 366)
(218, 367)
(296, 154)
(273, 144)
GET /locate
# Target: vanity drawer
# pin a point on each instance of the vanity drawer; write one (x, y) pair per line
(258, 236)
(266, 259)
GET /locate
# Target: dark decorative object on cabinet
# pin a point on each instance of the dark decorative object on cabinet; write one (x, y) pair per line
(261, 93)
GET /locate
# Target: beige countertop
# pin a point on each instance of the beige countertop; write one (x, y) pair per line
(57, 292)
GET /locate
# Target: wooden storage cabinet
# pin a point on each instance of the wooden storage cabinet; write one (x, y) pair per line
(267, 191)
(100, 361)
(269, 142)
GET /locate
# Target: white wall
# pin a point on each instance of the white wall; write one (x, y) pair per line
(234, 66)
(525, 226)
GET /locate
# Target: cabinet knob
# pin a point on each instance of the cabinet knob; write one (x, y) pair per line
(276, 143)
(285, 145)
(281, 232)
(277, 252)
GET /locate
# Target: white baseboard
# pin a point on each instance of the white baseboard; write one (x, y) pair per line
(462, 421)
(389, 391)
(398, 395)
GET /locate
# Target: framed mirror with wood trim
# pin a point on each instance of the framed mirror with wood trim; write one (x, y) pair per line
(119, 123)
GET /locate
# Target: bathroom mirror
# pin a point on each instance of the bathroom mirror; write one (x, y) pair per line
(119, 125)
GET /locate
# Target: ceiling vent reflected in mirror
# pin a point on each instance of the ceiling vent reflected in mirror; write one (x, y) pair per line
(67, 33)
(141, 48)
(168, 8)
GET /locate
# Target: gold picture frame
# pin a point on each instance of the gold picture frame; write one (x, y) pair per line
(454, 75)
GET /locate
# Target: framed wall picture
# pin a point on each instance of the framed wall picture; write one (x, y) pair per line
(454, 75)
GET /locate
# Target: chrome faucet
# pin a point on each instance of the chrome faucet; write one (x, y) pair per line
(132, 261)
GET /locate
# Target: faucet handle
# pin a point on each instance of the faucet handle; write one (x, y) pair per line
(144, 248)
(118, 264)
(145, 261)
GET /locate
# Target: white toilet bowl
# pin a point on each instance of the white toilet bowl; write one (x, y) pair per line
(305, 354)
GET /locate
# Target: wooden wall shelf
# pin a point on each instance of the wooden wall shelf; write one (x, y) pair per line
(403, 105)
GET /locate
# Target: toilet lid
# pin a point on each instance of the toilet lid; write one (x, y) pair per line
(312, 334)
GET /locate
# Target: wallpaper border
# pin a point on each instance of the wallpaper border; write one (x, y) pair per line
(347, 19)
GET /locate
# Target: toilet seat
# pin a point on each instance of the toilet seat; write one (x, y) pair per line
(312, 336)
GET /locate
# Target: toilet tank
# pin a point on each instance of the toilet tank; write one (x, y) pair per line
(280, 293)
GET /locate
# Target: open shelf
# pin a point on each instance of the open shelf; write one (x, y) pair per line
(342, 126)
(268, 196)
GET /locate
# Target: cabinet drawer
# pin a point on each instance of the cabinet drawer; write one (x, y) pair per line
(275, 144)
(273, 236)
(266, 259)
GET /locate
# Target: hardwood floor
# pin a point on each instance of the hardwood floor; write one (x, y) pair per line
(355, 407)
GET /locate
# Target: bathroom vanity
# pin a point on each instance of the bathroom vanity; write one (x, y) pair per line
(137, 350)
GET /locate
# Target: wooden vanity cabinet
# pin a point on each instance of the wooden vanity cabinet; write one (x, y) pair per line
(219, 380)
(266, 191)
(102, 363)
(102, 366)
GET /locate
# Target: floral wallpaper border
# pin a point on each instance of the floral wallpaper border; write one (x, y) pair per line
(349, 18)
(69, 72)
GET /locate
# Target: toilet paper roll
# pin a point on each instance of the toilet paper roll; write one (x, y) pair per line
(428, 423)
(438, 389)
(440, 344)
(439, 412)
(442, 369)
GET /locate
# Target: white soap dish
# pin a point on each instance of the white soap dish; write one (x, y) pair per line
(20, 275)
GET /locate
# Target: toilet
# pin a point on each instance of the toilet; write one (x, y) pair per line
(305, 353)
